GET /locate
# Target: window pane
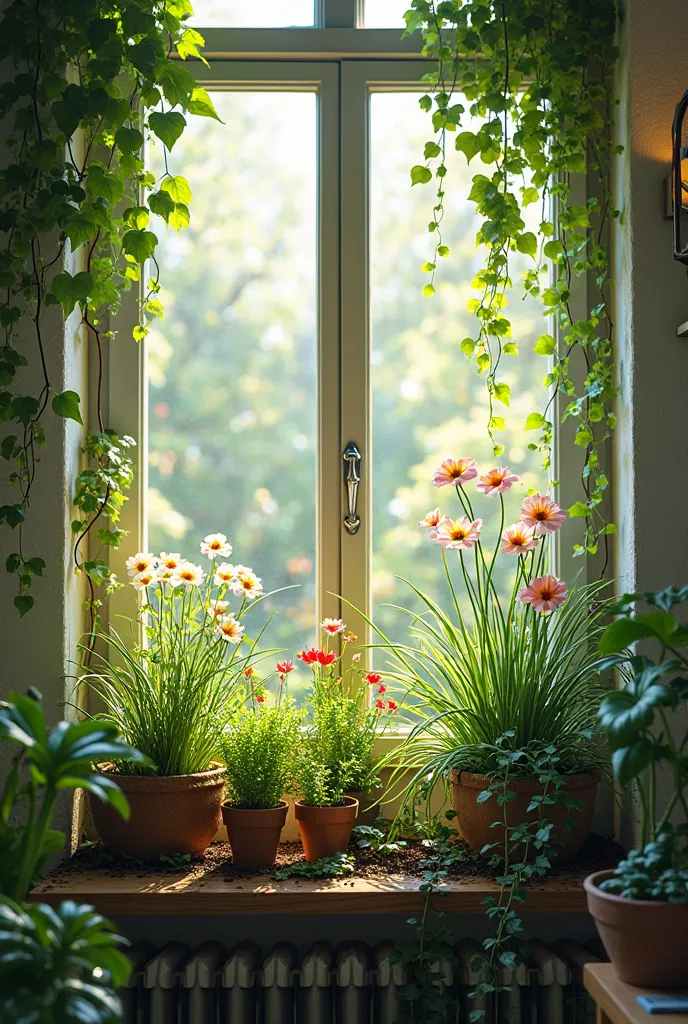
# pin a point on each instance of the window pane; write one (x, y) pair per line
(232, 367)
(428, 401)
(385, 13)
(239, 14)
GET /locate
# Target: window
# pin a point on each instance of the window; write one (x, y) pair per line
(239, 14)
(295, 325)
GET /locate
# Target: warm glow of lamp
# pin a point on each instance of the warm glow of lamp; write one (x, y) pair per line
(678, 184)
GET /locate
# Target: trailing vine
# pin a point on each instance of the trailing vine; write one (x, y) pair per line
(537, 77)
(91, 82)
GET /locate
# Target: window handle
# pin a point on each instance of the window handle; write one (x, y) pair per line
(352, 463)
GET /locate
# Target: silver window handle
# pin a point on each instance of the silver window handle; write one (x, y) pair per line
(352, 462)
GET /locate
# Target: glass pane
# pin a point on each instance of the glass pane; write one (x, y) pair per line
(428, 401)
(239, 14)
(385, 13)
(232, 367)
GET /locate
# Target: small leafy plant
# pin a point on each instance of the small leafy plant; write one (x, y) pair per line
(171, 695)
(368, 838)
(339, 865)
(260, 744)
(644, 723)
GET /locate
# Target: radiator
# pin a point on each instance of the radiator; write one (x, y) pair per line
(350, 984)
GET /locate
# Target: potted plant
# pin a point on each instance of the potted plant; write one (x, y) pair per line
(171, 695)
(258, 750)
(641, 907)
(64, 963)
(337, 757)
(503, 679)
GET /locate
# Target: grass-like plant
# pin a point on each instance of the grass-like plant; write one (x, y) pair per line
(260, 746)
(524, 668)
(172, 694)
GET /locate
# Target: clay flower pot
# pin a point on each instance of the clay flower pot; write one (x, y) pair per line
(646, 941)
(168, 814)
(368, 804)
(254, 834)
(326, 830)
(474, 819)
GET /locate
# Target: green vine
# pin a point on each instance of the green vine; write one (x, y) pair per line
(92, 82)
(537, 76)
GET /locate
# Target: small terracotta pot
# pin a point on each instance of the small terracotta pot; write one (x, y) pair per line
(254, 835)
(325, 830)
(368, 804)
(168, 814)
(475, 819)
(646, 941)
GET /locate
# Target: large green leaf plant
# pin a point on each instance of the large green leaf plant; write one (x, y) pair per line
(57, 965)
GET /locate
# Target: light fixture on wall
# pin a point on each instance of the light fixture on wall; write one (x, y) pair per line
(677, 183)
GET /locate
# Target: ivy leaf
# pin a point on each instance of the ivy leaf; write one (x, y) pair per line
(68, 290)
(629, 762)
(431, 150)
(24, 408)
(530, 195)
(162, 204)
(201, 104)
(497, 423)
(535, 421)
(67, 406)
(129, 140)
(527, 243)
(23, 603)
(168, 127)
(177, 83)
(13, 515)
(578, 510)
(104, 184)
(140, 244)
(502, 393)
(545, 345)
(468, 347)
(468, 143)
(180, 217)
(177, 188)
(7, 446)
(554, 249)
(420, 175)
(13, 562)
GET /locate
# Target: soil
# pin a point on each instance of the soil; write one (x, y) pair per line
(597, 853)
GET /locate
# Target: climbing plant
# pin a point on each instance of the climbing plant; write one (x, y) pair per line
(526, 86)
(87, 83)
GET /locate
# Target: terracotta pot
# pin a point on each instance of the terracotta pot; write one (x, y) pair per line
(325, 830)
(254, 835)
(475, 819)
(168, 814)
(368, 804)
(646, 941)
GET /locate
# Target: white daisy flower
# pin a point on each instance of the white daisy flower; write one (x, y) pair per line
(230, 629)
(247, 585)
(243, 570)
(332, 626)
(170, 560)
(217, 609)
(165, 575)
(145, 579)
(224, 573)
(216, 545)
(188, 575)
(140, 562)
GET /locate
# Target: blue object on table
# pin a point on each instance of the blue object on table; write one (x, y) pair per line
(663, 1004)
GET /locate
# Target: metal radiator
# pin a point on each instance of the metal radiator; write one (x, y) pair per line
(350, 984)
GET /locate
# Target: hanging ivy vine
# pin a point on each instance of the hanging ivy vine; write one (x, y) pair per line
(89, 82)
(534, 77)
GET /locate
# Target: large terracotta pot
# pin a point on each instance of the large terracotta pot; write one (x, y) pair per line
(368, 804)
(168, 814)
(475, 819)
(325, 830)
(646, 941)
(254, 835)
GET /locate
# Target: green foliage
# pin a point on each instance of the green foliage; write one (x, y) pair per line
(258, 749)
(47, 762)
(75, 201)
(339, 865)
(368, 838)
(536, 81)
(59, 965)
(652, 873)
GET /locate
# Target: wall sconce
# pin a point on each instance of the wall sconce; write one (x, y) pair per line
(676, 189)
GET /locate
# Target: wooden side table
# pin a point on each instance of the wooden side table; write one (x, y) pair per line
(615, 1001)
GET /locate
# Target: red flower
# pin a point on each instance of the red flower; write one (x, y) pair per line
(392, 705)
(308, 657)
(248, 672)
(284, 667)
(373, 678)
(382, 689)
(380, 705)
(260, 698)
(325, 658)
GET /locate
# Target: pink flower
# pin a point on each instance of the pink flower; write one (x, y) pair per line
(497, 481)
(350, 638)
(544, 594)
(518, 539)
(430, 519)
(373, 678)
(459, 533)
(332, 626)
(540, 511)
(455, 471)
(284, 668)
(356, 658)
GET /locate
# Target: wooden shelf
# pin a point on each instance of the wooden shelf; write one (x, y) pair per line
(116, 893)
